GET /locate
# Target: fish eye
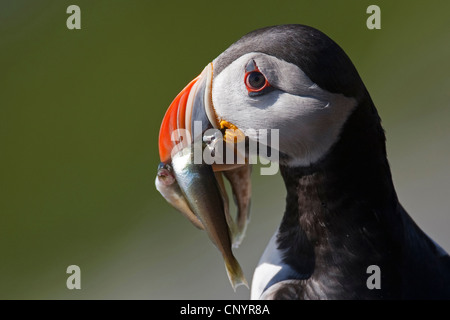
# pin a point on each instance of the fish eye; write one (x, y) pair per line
(255, 81)
(165, 174)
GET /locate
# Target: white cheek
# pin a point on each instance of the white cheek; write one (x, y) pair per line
(312, 126)
(308, 124)
(228, 94)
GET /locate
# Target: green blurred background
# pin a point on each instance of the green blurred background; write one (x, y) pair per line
(79, 117)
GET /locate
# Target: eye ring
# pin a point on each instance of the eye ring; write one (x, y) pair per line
(255, 81)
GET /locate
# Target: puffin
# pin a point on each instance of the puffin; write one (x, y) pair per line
(343, 233)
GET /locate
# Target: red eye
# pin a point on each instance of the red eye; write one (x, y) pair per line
(255, 81)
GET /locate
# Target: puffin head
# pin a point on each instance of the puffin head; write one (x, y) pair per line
(292, 78)
(289, 78)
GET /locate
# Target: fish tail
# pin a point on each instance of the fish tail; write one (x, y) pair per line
(235, 274)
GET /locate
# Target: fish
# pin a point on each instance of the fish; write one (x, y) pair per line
(167, 185)
(201, 190)
(198, 190)
(240, 181)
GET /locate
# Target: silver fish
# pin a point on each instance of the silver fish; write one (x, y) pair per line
(240, 181)
(168, 186)
(201, 190)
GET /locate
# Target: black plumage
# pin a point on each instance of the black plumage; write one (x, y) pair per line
(342, 212)
(342, 215)
(317, 55)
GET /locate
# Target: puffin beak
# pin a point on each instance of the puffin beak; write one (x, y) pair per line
(193, 103)
(194, 187)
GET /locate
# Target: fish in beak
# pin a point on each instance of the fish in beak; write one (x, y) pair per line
(196, 188)
(167, 185)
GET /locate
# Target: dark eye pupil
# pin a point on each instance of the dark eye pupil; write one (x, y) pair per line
(256, 80)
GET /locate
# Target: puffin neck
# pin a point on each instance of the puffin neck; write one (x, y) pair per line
(349, 190)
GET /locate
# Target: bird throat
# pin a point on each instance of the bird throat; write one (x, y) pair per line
(337, 209)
